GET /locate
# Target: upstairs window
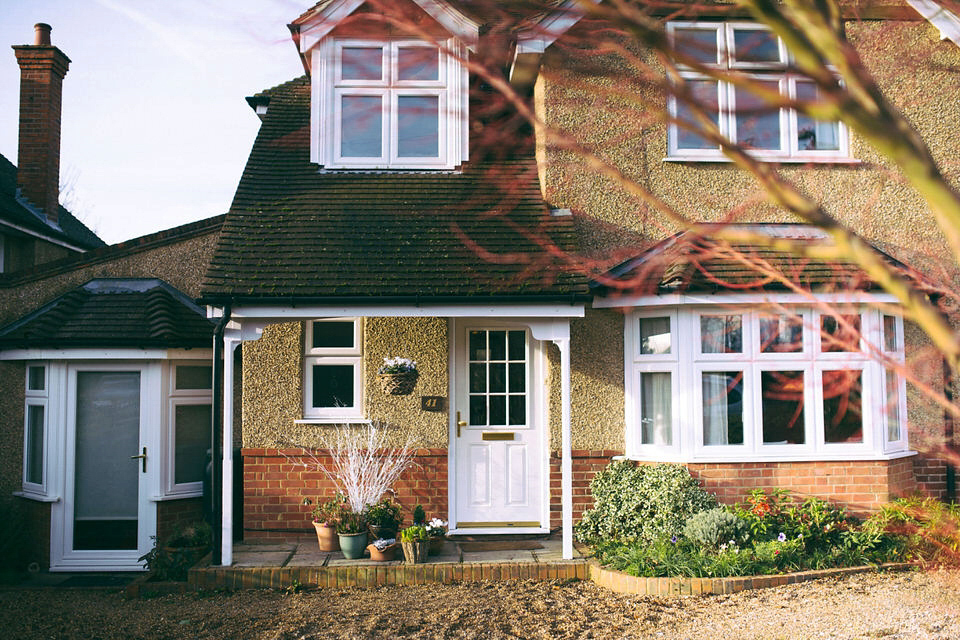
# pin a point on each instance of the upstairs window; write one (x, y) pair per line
(744, 117)
(391, 105)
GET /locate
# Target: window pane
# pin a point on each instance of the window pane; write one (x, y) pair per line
(518, 410)
(478, 377)
(361, 126)
(418, 126)
(782, 407)
(418, 63)
(191, 441)
(758, 124)
(498, 410)
(840, 333)
(656, 409)
(721, 334)
(498, 377)
(330, 335)
(518, 377)
(498, 345)
(478, 410)
(654, 336)
(894, 419)
(699, 44)
(890, 342)
(842, 410)
(194, 377)
(35, 378)
(518, 345)
(34, 470)
(814, 134)
(478, 345)
(723, 408)
(704, 93)
(755, 45)
(332, 385)
(781, 334)
(361, 63)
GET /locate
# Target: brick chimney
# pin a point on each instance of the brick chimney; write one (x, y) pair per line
(42, 68)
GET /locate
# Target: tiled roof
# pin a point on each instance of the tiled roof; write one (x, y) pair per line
(71, 230)
(113, 313)
(688, 262)
(294, 231)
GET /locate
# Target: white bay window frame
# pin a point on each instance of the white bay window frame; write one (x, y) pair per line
(687, 363)
(351, 356)
(773, 71)
(178, 397)
(329, 88)
(36, 399)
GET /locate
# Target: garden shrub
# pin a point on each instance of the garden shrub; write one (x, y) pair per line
(641, 502)
(932, 528)
(713, 527)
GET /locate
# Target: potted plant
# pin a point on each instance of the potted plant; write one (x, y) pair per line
(173, 558)
(436, 531)
(419, 515)
(352, 534)
(415, 543)
(326, 515)
(384, 519)
(398, 376)
(383, 549)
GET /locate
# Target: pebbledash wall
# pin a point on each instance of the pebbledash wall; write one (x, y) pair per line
(178, 256)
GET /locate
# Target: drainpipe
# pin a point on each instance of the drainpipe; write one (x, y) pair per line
(951, 472)
(215, 434)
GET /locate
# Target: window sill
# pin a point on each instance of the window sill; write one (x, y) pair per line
(772, 159)
(741, 459)
(342, 420)
(177, 496)
(36, 497)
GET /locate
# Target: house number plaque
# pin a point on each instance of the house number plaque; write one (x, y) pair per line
(435, 404)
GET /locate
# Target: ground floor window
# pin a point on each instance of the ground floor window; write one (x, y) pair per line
(746, 382)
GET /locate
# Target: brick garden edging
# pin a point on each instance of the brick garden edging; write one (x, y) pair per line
(624, 583)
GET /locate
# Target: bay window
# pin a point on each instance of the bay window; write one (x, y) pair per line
(333, 370)
(35, 429)
(190, 415)
(723, 383)
(741, 115)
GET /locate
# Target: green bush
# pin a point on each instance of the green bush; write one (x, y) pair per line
(713, 527)
(641, 502)
(931, 528)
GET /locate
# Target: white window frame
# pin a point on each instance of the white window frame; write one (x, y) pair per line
(36, 398)
(687, 363)
(897, 358)
(789, 145)
(328, 89)
(352, 356)
(175, 398)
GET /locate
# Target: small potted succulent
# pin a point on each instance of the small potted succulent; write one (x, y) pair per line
(398, 376)
(326, 516)
(415, 543)
(383, 549)
(384, 519)
(436, 531)
(352, 534)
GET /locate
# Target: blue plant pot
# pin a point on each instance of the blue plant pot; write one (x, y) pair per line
(353, 544)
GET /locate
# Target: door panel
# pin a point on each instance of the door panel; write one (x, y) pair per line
(498, 435)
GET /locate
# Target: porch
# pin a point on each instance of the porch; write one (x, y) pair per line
(280, 565)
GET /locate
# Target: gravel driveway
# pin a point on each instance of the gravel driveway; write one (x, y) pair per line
(895, 605)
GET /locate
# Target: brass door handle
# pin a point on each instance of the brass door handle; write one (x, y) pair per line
(460, 423)
(143, 457)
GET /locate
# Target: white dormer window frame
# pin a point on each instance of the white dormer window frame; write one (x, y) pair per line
(389, 105)
(783, 135)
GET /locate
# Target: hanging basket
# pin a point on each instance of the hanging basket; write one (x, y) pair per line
(398, 384)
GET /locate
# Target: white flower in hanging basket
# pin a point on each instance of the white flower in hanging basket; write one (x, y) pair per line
(398, 365)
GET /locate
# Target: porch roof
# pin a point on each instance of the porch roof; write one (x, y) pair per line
(115, 313)
(295, 233)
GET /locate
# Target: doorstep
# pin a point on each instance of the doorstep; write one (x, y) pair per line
(284, 565)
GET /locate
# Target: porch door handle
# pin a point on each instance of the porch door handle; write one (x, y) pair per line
(143, 457)
(460, 423)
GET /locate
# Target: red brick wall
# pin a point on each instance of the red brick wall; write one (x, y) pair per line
(276, 484)
(174, 513)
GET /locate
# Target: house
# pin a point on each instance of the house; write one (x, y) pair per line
(556, 322)
(34, 228)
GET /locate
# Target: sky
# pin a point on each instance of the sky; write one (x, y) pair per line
(155, 128)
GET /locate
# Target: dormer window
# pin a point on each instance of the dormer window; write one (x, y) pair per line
(394, 104)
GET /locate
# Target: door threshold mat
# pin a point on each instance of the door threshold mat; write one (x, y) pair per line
(100, 581)
(499, 545)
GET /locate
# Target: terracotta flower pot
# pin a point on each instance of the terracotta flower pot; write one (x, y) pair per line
(388, 554)
(327, 536)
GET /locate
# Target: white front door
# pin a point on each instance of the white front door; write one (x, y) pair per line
(498, 431)
(105, 517)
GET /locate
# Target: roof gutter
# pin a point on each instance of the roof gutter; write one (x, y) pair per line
(414, 301)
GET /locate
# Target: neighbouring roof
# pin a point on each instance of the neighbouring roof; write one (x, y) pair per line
(12, 210)
(113, 313)
(295, 232)
(692, 262)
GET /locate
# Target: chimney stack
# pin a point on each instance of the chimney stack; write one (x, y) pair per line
(42, 68)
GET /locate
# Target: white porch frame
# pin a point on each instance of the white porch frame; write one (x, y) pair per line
(547, 322)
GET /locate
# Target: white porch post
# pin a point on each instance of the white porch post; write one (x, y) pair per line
(230, 341)
(566, 455)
